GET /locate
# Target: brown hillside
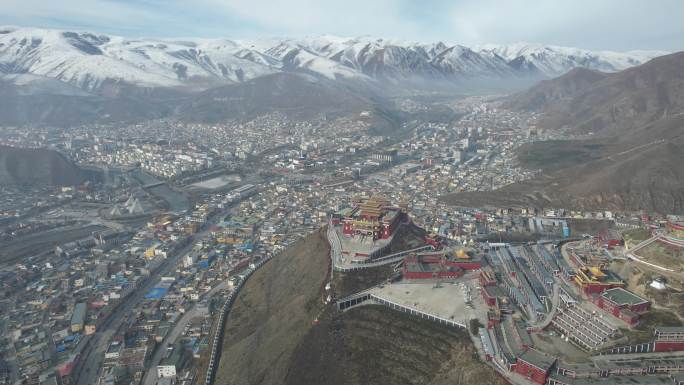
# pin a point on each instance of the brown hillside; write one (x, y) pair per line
(609, 103)
(644, 176)
(37, 167)
(377, 345)
(272, 314)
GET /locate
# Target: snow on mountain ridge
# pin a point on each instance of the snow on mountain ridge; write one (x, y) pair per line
(554, 60)
(88, 60)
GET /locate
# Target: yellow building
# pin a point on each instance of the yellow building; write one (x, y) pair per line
(594, 279)
(149, 253)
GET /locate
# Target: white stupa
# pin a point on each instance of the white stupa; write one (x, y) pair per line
(135, 207)
(658, 283)
(116, 211)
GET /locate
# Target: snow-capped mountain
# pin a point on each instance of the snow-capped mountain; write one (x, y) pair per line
(91, 60)
(88, 60)
(554, 60)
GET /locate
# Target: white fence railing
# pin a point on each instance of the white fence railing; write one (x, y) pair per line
(364, 297)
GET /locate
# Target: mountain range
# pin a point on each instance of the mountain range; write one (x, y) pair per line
(94, 61)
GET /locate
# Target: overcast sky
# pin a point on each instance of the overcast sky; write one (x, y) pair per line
(594, 24)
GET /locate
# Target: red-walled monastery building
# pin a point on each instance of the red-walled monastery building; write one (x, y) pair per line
(373, 217)
(534, 365)
(439, 264)
(622, 304)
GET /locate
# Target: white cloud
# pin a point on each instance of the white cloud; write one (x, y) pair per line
(108, 14)
(605, 24)
(306, 17)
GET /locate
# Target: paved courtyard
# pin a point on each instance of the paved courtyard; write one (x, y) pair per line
(446, 300)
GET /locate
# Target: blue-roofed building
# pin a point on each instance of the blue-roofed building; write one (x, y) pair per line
(156, 293)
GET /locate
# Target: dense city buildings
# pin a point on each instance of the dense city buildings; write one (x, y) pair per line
(122, 279)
